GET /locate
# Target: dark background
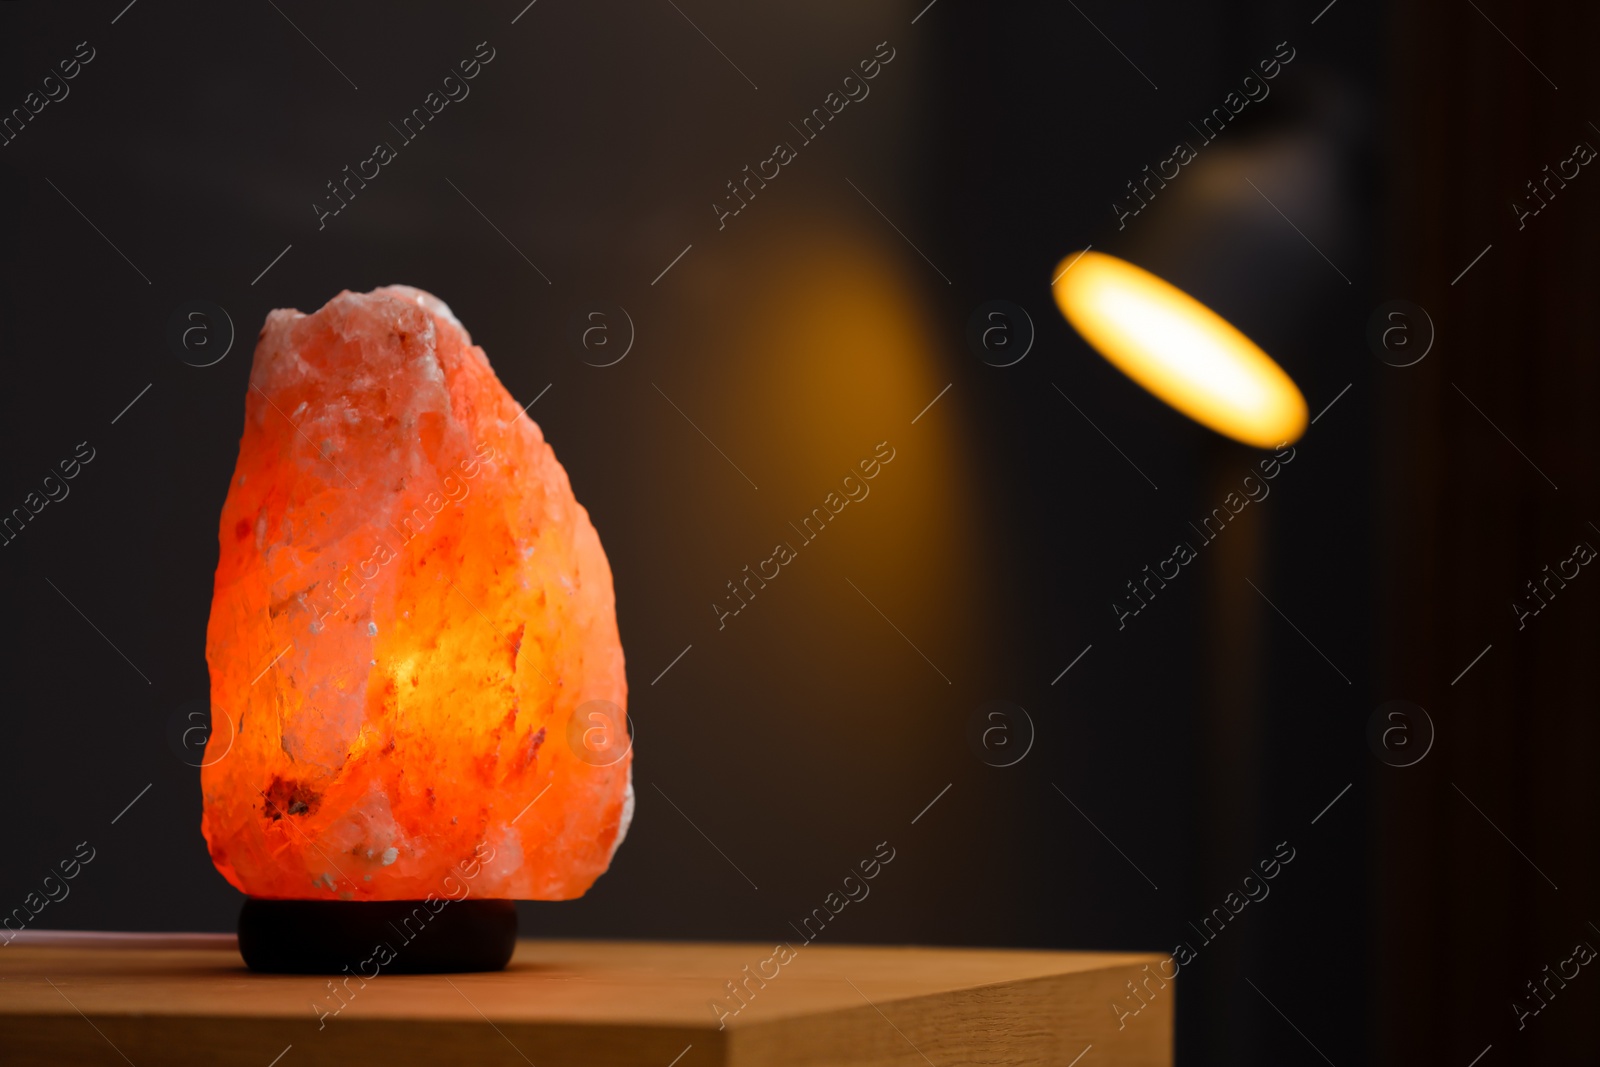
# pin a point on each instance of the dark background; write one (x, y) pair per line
(1176, 753)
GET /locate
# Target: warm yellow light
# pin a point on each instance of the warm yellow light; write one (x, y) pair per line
(1179, 349)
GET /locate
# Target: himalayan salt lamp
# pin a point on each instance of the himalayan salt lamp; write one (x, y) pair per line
(413, 643)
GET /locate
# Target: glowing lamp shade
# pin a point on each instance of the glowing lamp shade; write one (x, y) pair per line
(1179, 349)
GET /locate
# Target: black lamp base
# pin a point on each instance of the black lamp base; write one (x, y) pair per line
(368, 938)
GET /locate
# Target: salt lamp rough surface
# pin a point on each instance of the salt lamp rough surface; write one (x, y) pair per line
(410, 607)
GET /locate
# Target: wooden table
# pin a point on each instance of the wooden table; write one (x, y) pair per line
(148, 1000)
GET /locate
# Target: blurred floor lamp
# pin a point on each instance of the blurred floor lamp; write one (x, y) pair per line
(1187, 355)
(1218, 235)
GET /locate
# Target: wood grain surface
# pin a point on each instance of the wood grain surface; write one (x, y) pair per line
(187, 999)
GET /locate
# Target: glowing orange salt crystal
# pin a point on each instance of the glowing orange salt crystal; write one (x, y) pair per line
(416, 680)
